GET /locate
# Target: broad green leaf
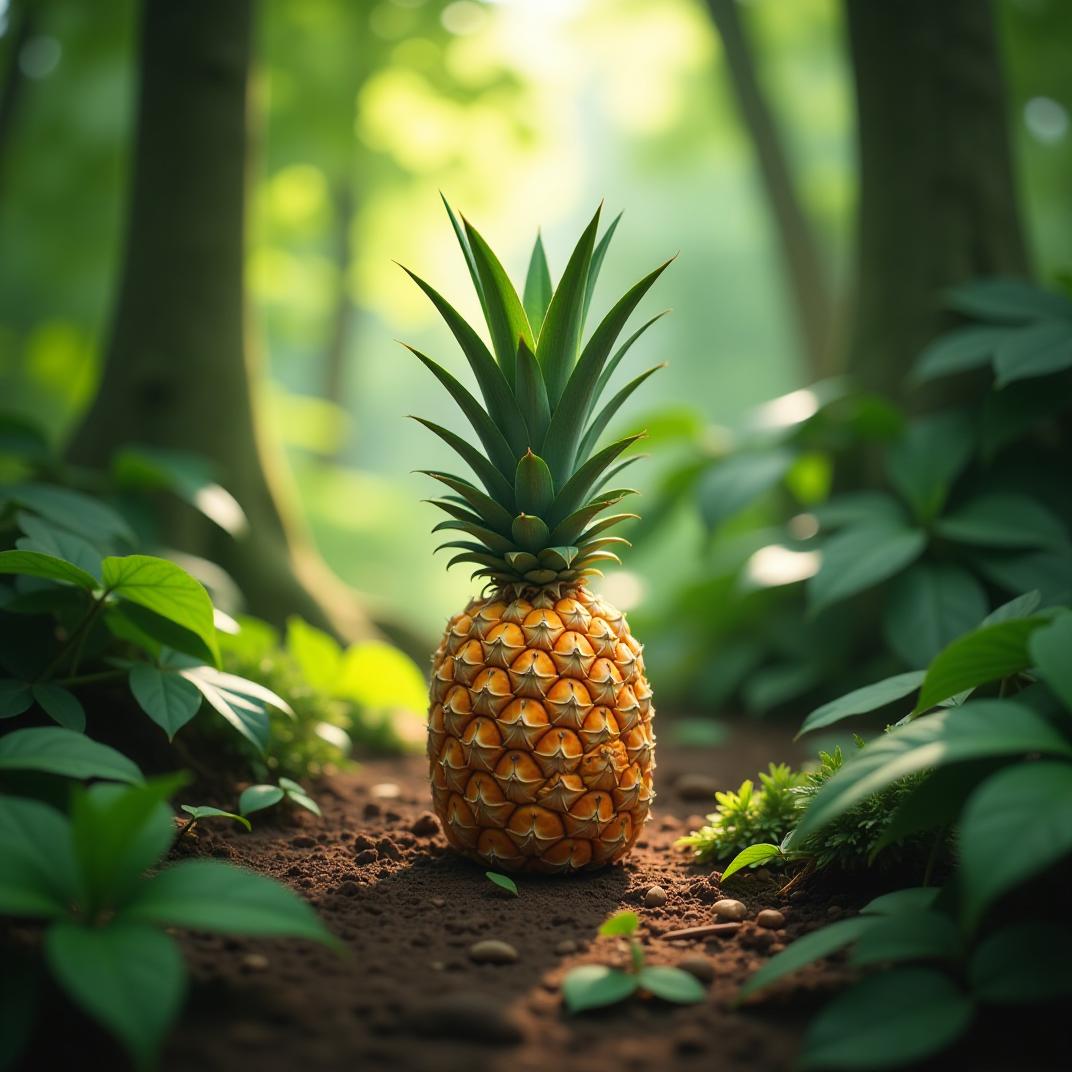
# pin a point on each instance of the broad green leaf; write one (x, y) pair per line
(502, 881)
(1007, 300)
(206, 811)
(1050, 649)
(1036, 350)
(1023, 606)
(51, 539)
(166, 697)
(249, 718)
(128, 976)
(976, 730)
(860, 508)
(46, 566)
(317, 654)
(592, 986)
(90, 518)
(958, 351)
(911, 899)
(620, 923)
(15, 697)
(928, 458)
(165, 589)
(754, 854)
(929, 606)
(860, 558)
(53, 750)
(1048, 571)
(1003, 520)
(730, 485)
(990, 653)
(860, 701)
(538, 288)
(909, 936)
(39, 876)
(1025, 964)
(887, 1021)
(671, 984)
(61, 706)
(209, 895)
(804, 951)
(258, 797)
(303, 800)
(1017, 824)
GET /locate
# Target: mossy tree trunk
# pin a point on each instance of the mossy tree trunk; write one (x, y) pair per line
(180, 368)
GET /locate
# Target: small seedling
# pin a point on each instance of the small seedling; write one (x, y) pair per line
(197, 812)
(593, 986)
(504, 882)
(259, 797)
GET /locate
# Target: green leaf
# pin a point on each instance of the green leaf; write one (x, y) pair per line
(598, 256)
(88, 517)
(534, 490)
(621, 923)
(165, 589)
(976, 730)
(318, 655)
(860, 508)
(532, 394)
(990, 653)
(48, 538)
(248, 717)
(930, 455)
(154, 633)
(1023, 606)
(1037, 350)
(1003, 520)
(302, 799)
(498, 487)
(488, 510)
(603, 418)
(730, 485)
(1007, 300)
(754, 854)
(860, 701)
(538, 287)
(209, 895)
(61, 706)
(1025, 964)
(1048, 571)
(929, 606)
(1016, 824)
(909, 936)
(259, 797)
(47, 567)
(15, 697)
(206, 811)
(39, 876)
(128, 976)
(911, 900)
(1050, 649)
(53, 750)
(502, 881)
(888, 1020)
(592, 986)
(168, 699)
(671, 984)
(804, 951)
(958, 351)
(860, 558)
(579, 486)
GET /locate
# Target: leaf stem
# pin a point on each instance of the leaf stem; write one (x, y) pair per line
(76, 639)
(90, 679)
(636, 954)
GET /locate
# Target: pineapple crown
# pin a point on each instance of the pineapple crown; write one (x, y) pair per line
(540, 520)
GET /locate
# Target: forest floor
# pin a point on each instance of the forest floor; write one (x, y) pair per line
(408, 997)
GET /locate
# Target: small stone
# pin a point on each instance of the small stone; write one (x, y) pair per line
(386, 791)
(730, 910)
(255, 962)
(771, 918)
(467, 1016)
(492, 951)
(696, 787)
(566, 946)
(349, 888)
(373, 810)
(699, 968)
(302, 841)
(362, 842)
(655, 897)
(438, 902)
(425, 825)
(369, 856)
(388, 849)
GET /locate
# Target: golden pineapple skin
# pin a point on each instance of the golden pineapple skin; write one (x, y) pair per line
(540, 741)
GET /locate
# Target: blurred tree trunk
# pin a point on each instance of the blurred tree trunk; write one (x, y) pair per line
(179, 369)
(938, 200)
(805, 272)
(342, 321)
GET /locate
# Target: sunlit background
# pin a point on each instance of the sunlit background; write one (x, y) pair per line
(525, 114)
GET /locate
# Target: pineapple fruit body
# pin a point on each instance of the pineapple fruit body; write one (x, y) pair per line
(540, 741)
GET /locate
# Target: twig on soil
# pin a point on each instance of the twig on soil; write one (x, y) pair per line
(703, 932)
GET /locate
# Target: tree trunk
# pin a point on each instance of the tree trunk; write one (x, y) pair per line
(179, 369)
(805, 272)
(342, 321)
(938, 198)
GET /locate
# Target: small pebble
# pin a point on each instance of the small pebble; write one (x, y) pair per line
(771, 918)
(362, 842)
(302, 841)
(425, 825)
(567, 945)
(255, 962)
(386, 791)
(438, 902)
(696, 787)
(369, 856)
(388, 849)
(698, 967)
(730, 910)
(492, 951)
(655, 897)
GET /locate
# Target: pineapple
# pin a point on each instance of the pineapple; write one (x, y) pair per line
(540, 740)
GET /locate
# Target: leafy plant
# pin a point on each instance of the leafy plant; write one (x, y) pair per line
(105, 942)
(258, 797)
(197, 812)
(504, 882)
(593, 986)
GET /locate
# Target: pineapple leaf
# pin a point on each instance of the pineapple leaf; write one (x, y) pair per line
(542, 576)
(497, 485)
(558, 558)
(467, 253)
(491, 540)
(564, 433)
(502, 407)
(498, 449)
(597, 556)
(506, 317)
(597, 262)
(568, 530)
(481, 559)
(462, 545)
(486, 508)
(530, 532)
(616, 360)
(532, 394)
(522, 560)
(534, 490)
(580, 484)
(602, 525)
(614, 470)
(456, 512)
(538, 288)
(561, 331)
(595, 429)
